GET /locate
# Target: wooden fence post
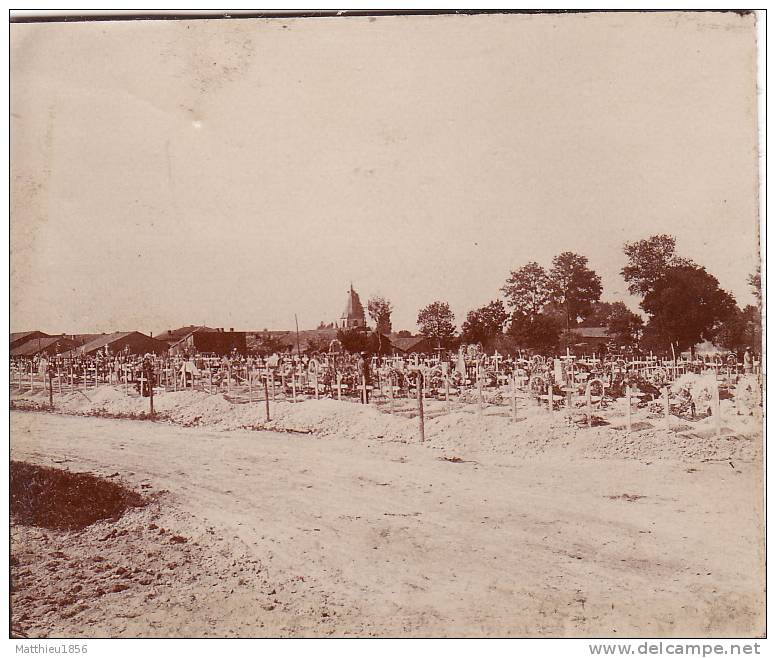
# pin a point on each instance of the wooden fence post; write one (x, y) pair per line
(666, 395)
(421, 421)
(479, 392)
(266, 396)
(628, 407)
(514, 397)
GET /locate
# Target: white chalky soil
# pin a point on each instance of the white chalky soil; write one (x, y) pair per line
(535, 529)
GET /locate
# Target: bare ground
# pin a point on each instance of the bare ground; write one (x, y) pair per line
(294, 535)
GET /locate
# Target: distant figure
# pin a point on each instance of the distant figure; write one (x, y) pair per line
(747, 362)
(460, 365)
(188, 371)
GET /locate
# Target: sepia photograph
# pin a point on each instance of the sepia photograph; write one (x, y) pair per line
(387, 324)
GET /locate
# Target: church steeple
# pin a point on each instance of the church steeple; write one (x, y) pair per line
(353, 316)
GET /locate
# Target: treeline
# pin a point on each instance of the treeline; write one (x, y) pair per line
(541, 308)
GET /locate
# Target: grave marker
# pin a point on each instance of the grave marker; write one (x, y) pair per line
(628, 407)
(266, 396)
(421, 422)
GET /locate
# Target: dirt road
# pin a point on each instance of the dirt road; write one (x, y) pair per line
(408, 544)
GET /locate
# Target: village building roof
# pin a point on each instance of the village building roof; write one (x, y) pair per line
(413, 344)
(175, 335)
(138, 344)
(20, 337)
(591, 332)
(47, 344)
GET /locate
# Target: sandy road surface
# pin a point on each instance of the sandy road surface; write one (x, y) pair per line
(409, 544)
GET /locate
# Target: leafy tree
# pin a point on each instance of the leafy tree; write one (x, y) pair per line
(380, 311)
(686, 304)
(756, 285)
(377, 344)
(436, 321)
(684, 301)
(267, 344)
(740, 330)
(484, 322)
(623, 325)
(573, 286)
(527, 289)
(353, 340)
(648, 261)
(404, 334)
(598, 315)
(557, 313)
(753, 335)
(317, 344)
(535, 332)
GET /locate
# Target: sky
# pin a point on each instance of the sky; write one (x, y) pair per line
(235, 173)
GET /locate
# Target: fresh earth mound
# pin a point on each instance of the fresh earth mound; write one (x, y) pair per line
(59, 500)
(461, 427)
(92, 558)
